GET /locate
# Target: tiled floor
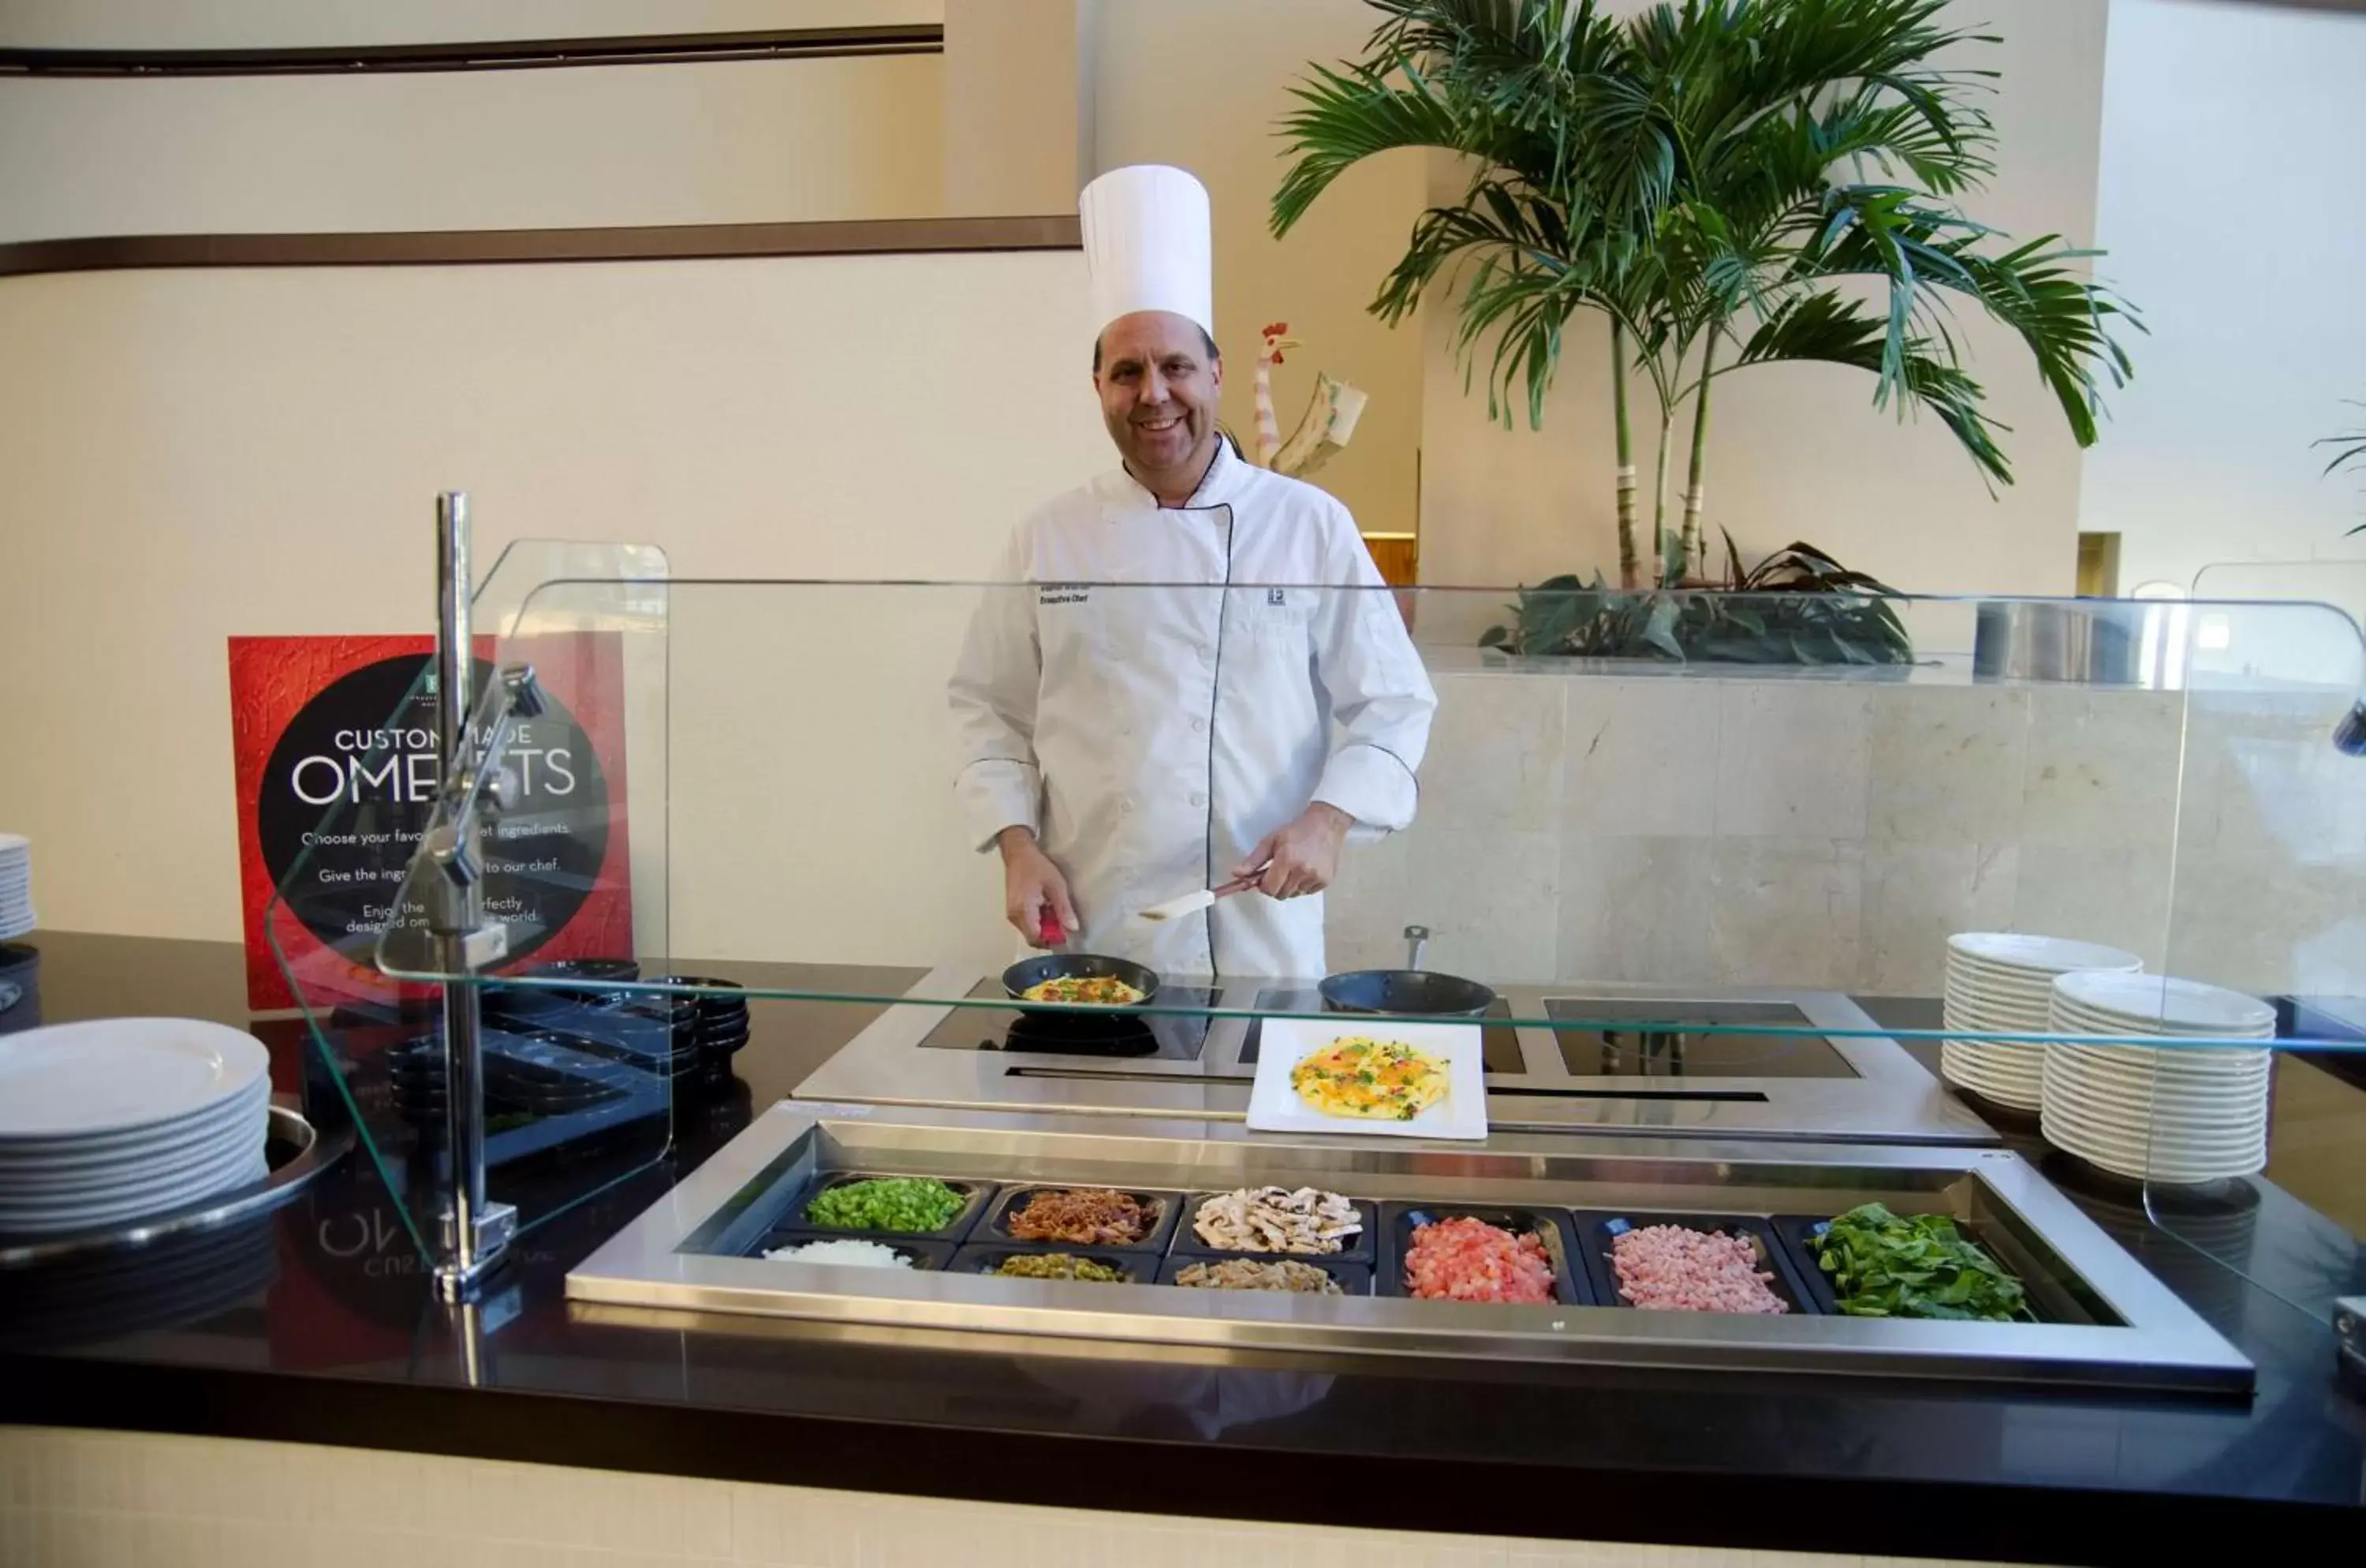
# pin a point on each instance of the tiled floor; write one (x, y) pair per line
(126, 1500)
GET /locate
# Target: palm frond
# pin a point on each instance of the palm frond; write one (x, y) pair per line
(1829, 328)
(1346, 117)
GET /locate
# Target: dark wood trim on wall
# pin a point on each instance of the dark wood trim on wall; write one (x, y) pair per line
(523, 54)
(463, 247)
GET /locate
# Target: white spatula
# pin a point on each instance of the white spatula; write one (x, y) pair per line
(1192, 903)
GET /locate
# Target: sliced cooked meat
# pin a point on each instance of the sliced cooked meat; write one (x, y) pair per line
(1087, 1215)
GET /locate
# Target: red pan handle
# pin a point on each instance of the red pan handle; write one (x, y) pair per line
(1050, 932)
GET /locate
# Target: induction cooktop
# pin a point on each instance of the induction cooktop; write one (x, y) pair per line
(1704, 1061)
(1689, 1038)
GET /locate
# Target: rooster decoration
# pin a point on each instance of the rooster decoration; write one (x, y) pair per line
(1327, 425)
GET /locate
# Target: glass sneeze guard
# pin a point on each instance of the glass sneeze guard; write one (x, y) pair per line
(1646, 824)
(578, 1088)
(1812, 798)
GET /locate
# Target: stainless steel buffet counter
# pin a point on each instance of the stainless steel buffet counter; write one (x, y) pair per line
(2102, 1318)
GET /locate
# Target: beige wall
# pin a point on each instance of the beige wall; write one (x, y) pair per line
(1201, 86)
(1017, 105)
(1799, 451)
(192, 455)
(2256, 348)
(772, 140)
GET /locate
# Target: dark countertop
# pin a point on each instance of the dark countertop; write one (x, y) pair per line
(346, 1345)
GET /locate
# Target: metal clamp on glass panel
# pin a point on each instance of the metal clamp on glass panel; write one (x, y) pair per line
(471, 1231)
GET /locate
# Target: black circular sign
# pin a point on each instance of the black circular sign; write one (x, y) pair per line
(350, 786)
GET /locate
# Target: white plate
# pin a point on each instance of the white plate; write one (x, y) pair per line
(2169, 1124)
(2031, 1009)
(2257, 1022)
(2034, 1004)
(2140, 1135)
(2072, 1020)
(175, 1140)
(2176, 1173)
(2020, 950)
(2168, 1079)
(35, 1183)
(1274, 1106)
(2064, 1132)
(2165, 1004)
(94, 1215)
(2178, 1078)
(2008, 979)
(1998, 1063)
(2126, 1121)
(167, 1192)
(120, 1075)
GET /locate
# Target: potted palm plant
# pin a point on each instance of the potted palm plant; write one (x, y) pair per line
(1726, 182)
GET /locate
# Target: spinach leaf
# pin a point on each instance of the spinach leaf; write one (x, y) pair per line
(1888, 1264)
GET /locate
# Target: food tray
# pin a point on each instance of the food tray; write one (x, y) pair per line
(1796, 1229)
(925, 1255)
(1355, 1278)
(977, 1194)
(1361, 1248)
(1165, 1207)
(1551, 1227)
(985, 1258)
(1596, 1229)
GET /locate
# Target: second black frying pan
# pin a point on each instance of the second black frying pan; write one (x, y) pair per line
(1412, 990)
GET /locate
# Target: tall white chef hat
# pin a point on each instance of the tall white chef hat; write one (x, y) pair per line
(1148, 245)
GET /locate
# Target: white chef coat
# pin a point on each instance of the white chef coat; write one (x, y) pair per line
(1152, 735)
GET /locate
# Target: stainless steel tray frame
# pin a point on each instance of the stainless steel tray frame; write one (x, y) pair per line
(681, 1254)
(1891, 1096)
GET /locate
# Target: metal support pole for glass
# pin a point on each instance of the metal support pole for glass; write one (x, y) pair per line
(471, 1231)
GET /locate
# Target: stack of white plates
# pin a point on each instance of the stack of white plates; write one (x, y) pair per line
(2165, 1112)
(16, 885)
(2004, 981)
(105, 1121)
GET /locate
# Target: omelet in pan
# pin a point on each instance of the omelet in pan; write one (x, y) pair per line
(1369, 1080)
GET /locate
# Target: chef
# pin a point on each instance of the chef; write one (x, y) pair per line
(1121, 746)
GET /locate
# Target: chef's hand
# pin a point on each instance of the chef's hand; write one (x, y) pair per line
(1302, 858)
(1030, 882)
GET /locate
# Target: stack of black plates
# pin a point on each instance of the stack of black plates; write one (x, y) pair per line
(599, 976)
(534, 1073)
(415, 1070)
(717, 1028)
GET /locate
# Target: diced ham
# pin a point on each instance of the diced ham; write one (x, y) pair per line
(1675, 1269)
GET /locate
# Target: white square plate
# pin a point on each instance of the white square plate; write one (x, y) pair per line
(1283, 1043)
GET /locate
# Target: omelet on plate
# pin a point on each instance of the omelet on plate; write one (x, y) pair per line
(1370, 1080)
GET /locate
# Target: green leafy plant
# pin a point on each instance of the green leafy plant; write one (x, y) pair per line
(1797, 606)
(2349, 446)
(1724, 180)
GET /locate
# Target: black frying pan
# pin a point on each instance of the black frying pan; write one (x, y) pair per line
(1028, 972)
(1412, 990)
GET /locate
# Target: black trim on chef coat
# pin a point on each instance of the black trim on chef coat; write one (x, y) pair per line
(1215, 700)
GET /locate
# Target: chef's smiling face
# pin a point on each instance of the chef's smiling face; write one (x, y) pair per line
(1159, 380)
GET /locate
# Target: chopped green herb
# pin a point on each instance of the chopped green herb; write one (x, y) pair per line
(885, 1203)
(1885, 1265)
